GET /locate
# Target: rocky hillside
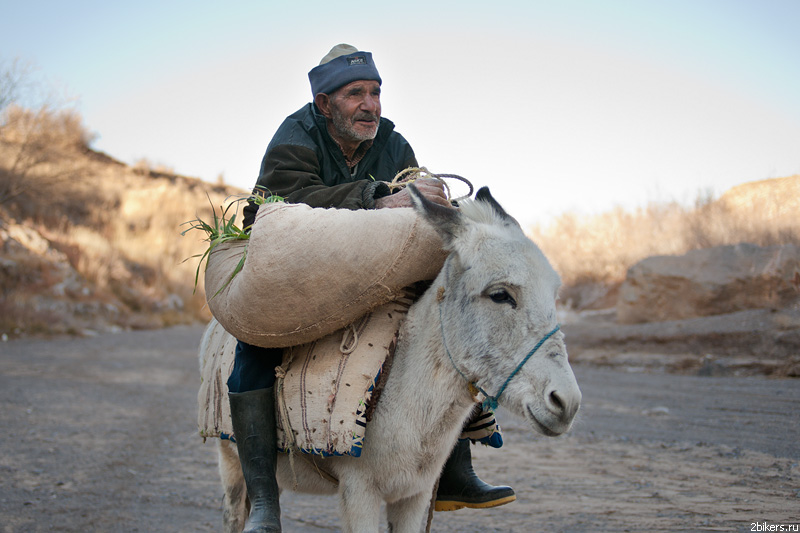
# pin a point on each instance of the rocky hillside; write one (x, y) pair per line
(722, 309)
(603, 247)
(88, 243)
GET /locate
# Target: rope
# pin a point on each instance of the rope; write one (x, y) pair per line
(412, 174)
(324, 474)
(292, 448)
(280, 375)
(492, 400)
(343, 347)
(432, 505)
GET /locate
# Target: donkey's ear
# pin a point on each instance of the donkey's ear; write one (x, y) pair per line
(484, 195)
(445, 220)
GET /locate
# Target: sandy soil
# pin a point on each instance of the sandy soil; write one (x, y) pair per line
(99, 435)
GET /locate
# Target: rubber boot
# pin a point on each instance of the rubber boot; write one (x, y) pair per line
(253, 417)
(460, 487)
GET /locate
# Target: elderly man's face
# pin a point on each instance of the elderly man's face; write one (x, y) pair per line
(355, 110)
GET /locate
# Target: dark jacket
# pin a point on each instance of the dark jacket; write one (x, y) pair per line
(303, 164)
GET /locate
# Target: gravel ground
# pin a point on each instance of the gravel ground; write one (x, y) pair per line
(99, 435)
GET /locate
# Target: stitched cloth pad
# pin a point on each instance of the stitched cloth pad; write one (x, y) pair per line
(328, 384)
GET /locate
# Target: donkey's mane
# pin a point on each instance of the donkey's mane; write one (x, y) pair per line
(481, 212)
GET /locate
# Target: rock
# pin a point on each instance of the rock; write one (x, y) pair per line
(711, 281)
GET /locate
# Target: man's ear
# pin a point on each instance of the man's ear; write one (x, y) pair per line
(323, 102)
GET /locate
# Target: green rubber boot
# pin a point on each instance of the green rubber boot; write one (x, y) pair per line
(253, 417)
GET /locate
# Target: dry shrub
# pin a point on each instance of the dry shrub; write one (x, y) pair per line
(146, 167)
(39, 150)
(761, 212)
(20, 316)
(93, 256)
(45, 128)
(597, 250)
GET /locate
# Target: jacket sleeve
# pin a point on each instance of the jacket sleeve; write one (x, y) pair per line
(294, 173)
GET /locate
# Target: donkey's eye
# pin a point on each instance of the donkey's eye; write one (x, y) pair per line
(502, 297)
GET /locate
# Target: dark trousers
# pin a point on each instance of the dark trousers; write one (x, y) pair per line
(253, 367)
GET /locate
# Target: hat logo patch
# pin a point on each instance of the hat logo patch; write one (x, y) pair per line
(356, 60)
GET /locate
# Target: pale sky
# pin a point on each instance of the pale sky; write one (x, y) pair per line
(556, 106)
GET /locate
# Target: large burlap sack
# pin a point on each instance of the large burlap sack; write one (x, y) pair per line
(312, 271)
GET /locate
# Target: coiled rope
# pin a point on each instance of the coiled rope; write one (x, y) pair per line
(412, 174)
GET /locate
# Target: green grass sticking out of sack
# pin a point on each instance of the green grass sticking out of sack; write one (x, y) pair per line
(222, 228)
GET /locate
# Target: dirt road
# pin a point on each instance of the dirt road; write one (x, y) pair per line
(99, 435)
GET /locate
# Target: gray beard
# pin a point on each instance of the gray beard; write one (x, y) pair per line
(346, 131)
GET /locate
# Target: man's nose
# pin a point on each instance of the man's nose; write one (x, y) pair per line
(370, 103)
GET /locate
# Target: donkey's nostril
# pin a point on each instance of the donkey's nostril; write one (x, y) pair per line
(556, 401)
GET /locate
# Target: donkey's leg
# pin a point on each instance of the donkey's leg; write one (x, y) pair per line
(234, 500)
(406, 515)
(360, 507)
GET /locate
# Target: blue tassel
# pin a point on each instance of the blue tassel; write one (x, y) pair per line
(490, 403)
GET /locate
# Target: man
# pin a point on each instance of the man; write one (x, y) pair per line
(335, 152)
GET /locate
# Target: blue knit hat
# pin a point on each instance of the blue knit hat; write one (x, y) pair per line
(343, 64)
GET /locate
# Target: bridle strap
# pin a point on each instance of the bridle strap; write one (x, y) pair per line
(490, 402)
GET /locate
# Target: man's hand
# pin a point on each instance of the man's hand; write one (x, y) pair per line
(432, 189)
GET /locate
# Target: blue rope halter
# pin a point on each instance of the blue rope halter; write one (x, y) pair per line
(491, 402)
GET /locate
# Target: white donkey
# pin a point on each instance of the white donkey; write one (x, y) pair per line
(486, 327)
